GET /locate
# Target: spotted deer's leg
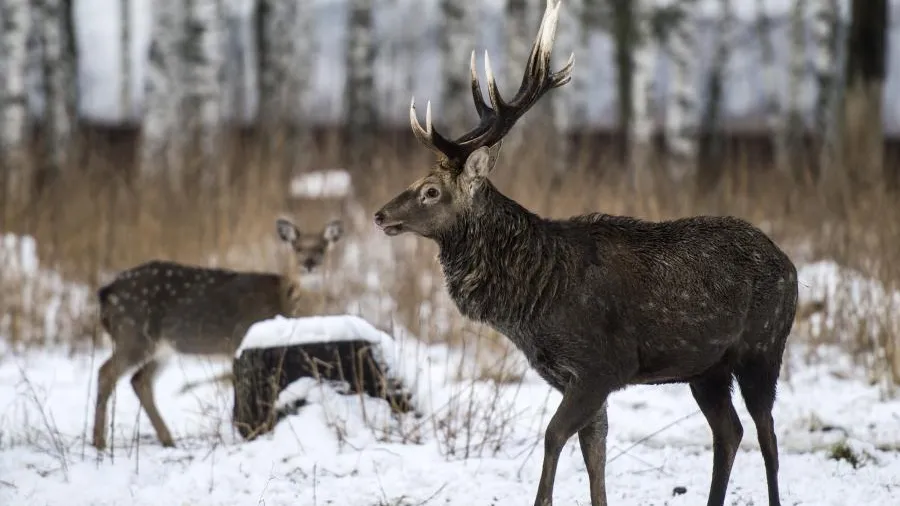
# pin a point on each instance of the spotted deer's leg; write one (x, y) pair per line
(107, 377)
(142, 382)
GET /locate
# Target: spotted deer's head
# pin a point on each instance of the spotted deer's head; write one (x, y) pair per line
(309, 248)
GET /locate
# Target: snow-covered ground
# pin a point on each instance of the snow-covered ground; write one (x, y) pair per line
(479, 443)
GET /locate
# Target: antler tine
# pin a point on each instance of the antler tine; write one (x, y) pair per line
(493, 91)
(564, 75)
(480, 106)
(430, 137)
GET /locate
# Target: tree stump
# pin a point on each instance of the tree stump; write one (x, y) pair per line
(261, 374)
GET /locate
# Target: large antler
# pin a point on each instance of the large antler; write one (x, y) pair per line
(498, 118)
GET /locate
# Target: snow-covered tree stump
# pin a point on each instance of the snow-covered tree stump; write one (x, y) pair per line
(344, 350)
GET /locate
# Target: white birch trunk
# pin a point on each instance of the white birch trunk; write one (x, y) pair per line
(161, 138)
(203, 55)
(276, 29)
(16, 23)
(562, 100)
(360, 109)
(641, 126)
(582, 85)
(125, 101)
(300, 84)
(825, 32)
(772, 101)
(681, 104)
(234, 92)
(58, 80)
(457, 44)
(794, 122)
(711, 122)
(518, 37)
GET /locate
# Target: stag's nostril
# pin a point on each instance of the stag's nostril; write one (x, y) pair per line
(379, 218)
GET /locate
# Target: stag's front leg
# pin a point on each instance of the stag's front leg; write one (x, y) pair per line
(580, 403)
(593, 448)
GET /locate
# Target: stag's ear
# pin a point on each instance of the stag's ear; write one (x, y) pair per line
(287, 230)
(333, 231)
(482, 161)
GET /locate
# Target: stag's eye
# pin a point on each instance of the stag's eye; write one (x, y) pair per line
(432, 193)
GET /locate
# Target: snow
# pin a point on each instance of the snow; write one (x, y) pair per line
(327, 183)
(478, 442)
(39, 303)
(339, 450)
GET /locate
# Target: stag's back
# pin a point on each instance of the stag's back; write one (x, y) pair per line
(195, 310)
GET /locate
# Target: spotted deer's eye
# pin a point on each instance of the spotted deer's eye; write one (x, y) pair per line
(432, 193)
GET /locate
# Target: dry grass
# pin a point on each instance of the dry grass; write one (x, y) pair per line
(97, 220)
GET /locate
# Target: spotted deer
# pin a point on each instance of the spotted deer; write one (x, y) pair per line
(599, 302)
(163, 306)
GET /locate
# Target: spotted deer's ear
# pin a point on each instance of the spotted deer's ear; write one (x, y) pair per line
(287, 231)
(333, 231)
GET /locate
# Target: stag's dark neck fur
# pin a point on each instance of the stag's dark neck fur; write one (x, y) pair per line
(502, 263)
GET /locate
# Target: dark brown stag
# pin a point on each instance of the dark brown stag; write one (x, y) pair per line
(599, 302)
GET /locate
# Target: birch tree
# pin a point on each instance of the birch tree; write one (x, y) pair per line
(563, 102)
(286, 51)
(518, 37)
(862, 142)
(826, 20)
(161, 142)
(360, 106)
(710, 147)
(794, 123)
(681, 103)
(640, 131)
(771, 100)
(203, 64)
(59, 80)
(16, 18)
(234, 73)
(460, 21)
(125, 102)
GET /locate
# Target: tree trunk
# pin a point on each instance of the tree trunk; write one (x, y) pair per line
(825, 30)
(795, 125)
(16, 18)
(518, 36)
(563, 100)
(360, 107)
(862, 146)
(711, 149)
(161, 139)
(59, 80)
(682, 100)
(203, 59)
(623, 34)
(640, 135)
(125, 102)
(772, 102)
(456, 46)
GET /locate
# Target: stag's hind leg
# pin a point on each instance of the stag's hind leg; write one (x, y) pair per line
(757, 379)
(713, 394)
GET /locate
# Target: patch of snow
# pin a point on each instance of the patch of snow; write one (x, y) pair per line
(329, 183)
(45, 306)
(348, 450)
